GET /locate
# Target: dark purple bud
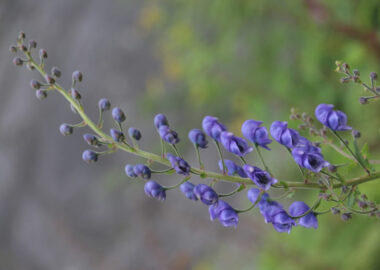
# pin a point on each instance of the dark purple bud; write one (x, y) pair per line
(91, 139)
(32, 44)
(232, 168)
(104, 104)
(227, 216)
(89, 156)
(142, 171)
(206, 194)
(129, 171)
(335, 211)
(118, 115)
(198, 138)
(362, 204)
(261, 178)
(29, 66)
(363, 100)
(160, 120)
(43, 53)
(309, 157)
(259, 135)
(66, 129)
(154, 190)
(356, 72)
(373, 75)
(77, 76)
(187, 189)
(13, 49)
(212, 127)
(332, 168)
(56, 72)
(23, 48)
(41, 94)
(234, 144)
(168, 135)
(117, 135)
(134, 133)
(35, 84)
(49, 79)
(356, 134)
(17, 61)
(346, 216)
(75, 94)
(179, 164)
(21, 35)
(335, 120)
(298, 209)
(286, 136)
(282, 222)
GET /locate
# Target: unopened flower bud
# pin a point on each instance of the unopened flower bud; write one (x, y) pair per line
(32, 44)
(335, 211)
(373, 75)
(49, 79)
(66, 129)
(21, 35)
(134, 133)
(356, 72)
(356, 134)
(13, 49)
(75, 94)
(345, 79)
(17, 61)
(35, 84)
(56, 72)
(118, 115)
(332, 168)
(363, 100)
(345, 189)
(41, 94)
(23, 48)
(362, 204)
(346, 216)
(89, 156)
(77, 76)
(43, 53)
(104, 104)
(345, 66)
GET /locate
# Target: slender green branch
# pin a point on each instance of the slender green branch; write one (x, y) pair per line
(177, 185)
(261, 158)
(220, 156)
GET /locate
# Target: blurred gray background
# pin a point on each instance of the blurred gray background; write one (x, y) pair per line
(56, 211)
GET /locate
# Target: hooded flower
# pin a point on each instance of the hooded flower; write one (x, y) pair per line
(298, 209)
(232, 168)
(206, 194)
(160, 120)
(225, 213)
(259, 135)
(155, 190)
(309, 157)
(254, 193)
(168, 135)
(142, 171)
(179, 164)
(261, 178)
(212, 127)
(282, 222)
(284, 135)
(198, 138)
(234, 144)
(187, 189)
(335, 120)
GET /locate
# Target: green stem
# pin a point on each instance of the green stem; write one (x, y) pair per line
(177, 185)
(175, 150)
(161, 160)
(220, 156)
(315, 206)
(236, 190)
(201, 166)
(253, 205)
(163, 171)
(261, 158)
(349, 149)
(299, 167)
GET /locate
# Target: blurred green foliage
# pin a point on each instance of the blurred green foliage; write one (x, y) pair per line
(239, 59)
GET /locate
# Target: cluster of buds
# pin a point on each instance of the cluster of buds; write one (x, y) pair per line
(316, 172)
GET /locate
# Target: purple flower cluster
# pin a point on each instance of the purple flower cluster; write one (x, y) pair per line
(165, 132)
(261, 178)
(273, 212)
(179, 164)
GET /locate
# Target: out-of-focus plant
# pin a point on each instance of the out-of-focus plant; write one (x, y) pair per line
(338, 191)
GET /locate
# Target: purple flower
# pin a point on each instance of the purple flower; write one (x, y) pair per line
(309, 157)
(261, 178)
(206, 194)
(259, 135)
(118, 115)
(269, 209)
(160, 120)
(104, 104)
(91, 139)
(254, 193)
(234, 144)
(284, 135)
(134, 133)
(66, 129)
(179, 164)
(168, 135)
(155, 190)
(129, 171)
(335, 120)
(212, 127)
(282, 222)
(142, 171)
(198, 138)
(225, 213)
(232, 168)
(298, 209)
(89, 156)
(117, 135)
(187, 188)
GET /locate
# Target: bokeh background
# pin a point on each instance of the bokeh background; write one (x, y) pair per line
(234, 59)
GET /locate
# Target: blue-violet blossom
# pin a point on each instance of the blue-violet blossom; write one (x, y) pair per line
(206, 194)
(187, 189)
(335, 120)
(212, 127)
(284, 135)
(298, 209)
(198, 138)
(259, 135)
(168, 135)
(234, 144)
(179, 164)
(155, 190)
(260, 177)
